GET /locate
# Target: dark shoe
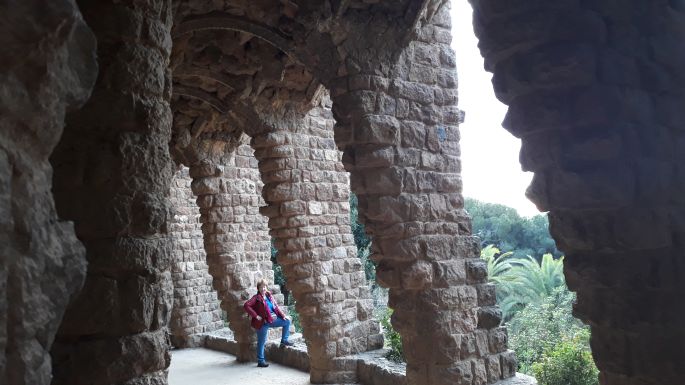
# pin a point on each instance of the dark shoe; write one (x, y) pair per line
(262, 364)
(286, 343)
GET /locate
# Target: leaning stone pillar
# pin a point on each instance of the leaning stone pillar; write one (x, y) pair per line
(196, 306)
(307, 191)
(112, 176)
(236, 237)
(401, 142)
(595, 92)
(48, 65)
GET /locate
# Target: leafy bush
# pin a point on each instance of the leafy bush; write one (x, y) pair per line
(393, 340)
(568, 363)
(541, 326)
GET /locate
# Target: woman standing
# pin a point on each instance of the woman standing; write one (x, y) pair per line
(265, 314)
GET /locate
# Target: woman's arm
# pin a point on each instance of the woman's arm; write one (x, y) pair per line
(248, 307)
(277, 309)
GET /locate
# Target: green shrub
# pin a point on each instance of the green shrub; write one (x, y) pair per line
(568, 363)
(539, 327)
(393, 340)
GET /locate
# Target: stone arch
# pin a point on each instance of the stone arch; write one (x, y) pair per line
(307, 192)
(398, 129)
(225, 21)
(235, 234)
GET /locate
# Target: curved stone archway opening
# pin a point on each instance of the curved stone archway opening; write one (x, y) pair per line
(307, 192)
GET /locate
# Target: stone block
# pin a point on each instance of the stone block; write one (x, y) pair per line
(497, 340)
(377, 129)
(508, 363)
(489, 317)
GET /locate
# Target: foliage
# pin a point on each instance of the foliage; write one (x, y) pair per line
(292, 312)
(393, 340)
(539, 327)
(361, 240)
(568, 363)
(499, 267)
(498, 263)
(368, 264)
(522, 281)
(279, 277)
(528, 282)
(536, 305)
(503, 226)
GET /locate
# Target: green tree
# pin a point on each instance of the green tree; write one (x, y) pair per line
(502, 226)
(521, 281)
(498, 263)
(528, 282)
(499, 267)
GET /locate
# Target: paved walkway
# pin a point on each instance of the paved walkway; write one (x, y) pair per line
(208, 367)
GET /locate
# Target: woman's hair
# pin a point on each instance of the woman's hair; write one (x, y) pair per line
(262, 282)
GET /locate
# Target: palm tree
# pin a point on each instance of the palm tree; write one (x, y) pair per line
(498, 265)
(522, 281)
(533, 281)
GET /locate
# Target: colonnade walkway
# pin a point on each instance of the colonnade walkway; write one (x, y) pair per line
(201, 366)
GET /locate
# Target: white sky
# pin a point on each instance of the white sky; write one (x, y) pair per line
(491, 171)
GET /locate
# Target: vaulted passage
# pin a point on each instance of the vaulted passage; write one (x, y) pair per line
(153, 151)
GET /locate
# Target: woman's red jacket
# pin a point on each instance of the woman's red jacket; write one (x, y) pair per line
(256, 306)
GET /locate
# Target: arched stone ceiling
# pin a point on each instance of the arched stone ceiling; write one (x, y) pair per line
(235, 58)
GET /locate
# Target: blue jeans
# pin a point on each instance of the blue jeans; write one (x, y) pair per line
(263, 331)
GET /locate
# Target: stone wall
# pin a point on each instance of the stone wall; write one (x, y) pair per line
(196, 305)
(47, 66)
(595, 92)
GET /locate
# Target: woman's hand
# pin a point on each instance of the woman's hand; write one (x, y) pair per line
(259, 318)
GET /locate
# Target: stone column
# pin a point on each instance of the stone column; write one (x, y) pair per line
(196, 305)
(112, 176)
(48, 65)
(307, 191)
(595, 92)
(401, 142)
(236, 237)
